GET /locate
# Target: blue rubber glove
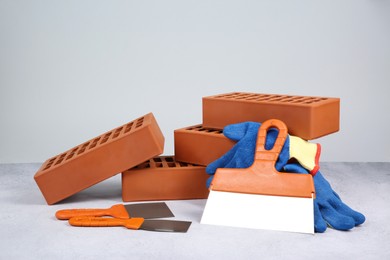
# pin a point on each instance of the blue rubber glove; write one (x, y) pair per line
(328, 207)
(243, 152)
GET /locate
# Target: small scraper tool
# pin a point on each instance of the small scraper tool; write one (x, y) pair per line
(132, 223)
(144, 210)
(260, 196)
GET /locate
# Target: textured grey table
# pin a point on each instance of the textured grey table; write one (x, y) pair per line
(29, 229)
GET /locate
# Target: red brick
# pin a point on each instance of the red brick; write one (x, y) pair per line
(199, 145)
(100, 158)
(164, 178)
(305, 116)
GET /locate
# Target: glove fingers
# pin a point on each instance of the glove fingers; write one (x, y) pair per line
(239, 161)
(335, 219)
(319, 222)
(344, 209)
(236, 132)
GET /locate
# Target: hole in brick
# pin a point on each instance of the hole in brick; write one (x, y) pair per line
(215, 131)
(60, 159)
(231, 95)
(94, 143)
(275, 98)
(128, 127)
(287, 100)
(240, 97)
(69, 156)
(105, 138)
(262, 97)
(50, 163)
(250, 97)
(157, 159)
(143, 165)
(83, 147)
(297, 100)
(318, 100)
(169, 159)
(159, 165)
(139, 122)
(306, 101)
(182, 164)
(194, 128)
(280, 99)
(171, 164)
(117, 132)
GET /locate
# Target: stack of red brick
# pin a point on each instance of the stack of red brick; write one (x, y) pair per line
(134, 149)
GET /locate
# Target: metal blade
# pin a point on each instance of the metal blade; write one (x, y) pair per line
(149, 210)
(281, 213)
(166, 225)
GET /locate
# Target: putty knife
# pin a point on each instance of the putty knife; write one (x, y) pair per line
(132, 223)
(144, 210)
(260, 196)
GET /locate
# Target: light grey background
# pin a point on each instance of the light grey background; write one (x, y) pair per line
(71, 70)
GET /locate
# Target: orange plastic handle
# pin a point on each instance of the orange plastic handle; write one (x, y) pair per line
(116, 211)
(262, 155)
(132, 223)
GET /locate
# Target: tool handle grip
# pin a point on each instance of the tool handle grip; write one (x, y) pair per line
(117, 211)
(270, 155)
(65, 214)
(133, 223)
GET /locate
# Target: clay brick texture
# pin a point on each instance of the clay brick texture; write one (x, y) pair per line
(305, 116)
(100, 158)
(199, 145)
(164, 178)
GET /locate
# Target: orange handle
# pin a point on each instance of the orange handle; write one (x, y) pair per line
(117, 211)
(132, 223)
(262, 155)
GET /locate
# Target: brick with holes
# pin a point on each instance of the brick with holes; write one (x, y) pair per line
(305, 116)
(164, 178)
(100, 158)
(200, 145)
